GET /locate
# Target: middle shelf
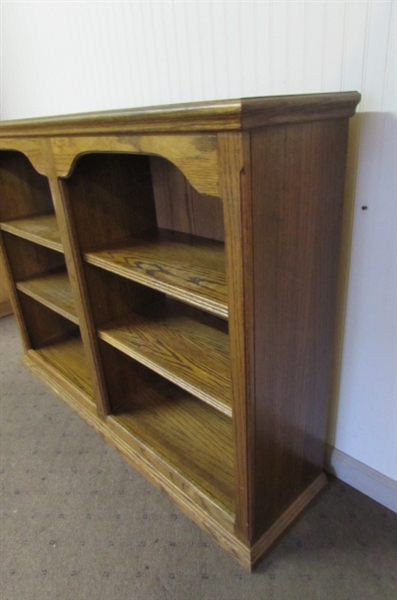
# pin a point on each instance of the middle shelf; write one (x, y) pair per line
(40, 229)
(183, 345)
(189, 268)
(53, 290)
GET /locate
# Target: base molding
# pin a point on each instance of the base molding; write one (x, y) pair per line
(284, 522)
(363, 478)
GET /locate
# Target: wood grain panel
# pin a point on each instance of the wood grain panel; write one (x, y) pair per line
(111, 297)
(41, 230)
(187, 268)
(110, 197)
(218, 115)
(74, 267)
(296, 239)
(195, 155)
(180, 207)
(44, 326)
(30, 148)
(23, 191)
(54, 291)
(27, 259)
(234, 160)
(179, 345)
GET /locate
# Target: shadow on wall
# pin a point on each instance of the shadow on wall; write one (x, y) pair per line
(370, 189)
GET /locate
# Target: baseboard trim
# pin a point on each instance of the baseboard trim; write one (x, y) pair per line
(363, 478)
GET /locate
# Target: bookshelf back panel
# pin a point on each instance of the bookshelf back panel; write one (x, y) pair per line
(111, 198)
(180, 207)
(23, 191)
(112, 296)
(44, 326)
(27, 259)
(114, 196)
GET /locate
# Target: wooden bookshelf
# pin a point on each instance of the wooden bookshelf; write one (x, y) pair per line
(174, 273)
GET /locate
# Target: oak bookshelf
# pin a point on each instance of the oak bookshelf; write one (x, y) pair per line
(174, 273)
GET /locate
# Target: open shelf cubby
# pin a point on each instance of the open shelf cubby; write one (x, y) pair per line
(26, 209)
(24, 192)
(186, 346)
(56, 342)
(125, 224)
(193, 440)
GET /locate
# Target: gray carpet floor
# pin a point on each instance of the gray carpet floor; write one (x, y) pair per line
(79, 523)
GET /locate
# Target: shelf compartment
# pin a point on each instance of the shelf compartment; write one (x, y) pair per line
(23, 191)
(186, 435)
(188, 268)
(42, 229)
(67, 358)
(28, 260)
(44, 326)
(181, 344)
(52, 290)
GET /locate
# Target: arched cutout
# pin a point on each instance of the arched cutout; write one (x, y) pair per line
(24, 192)
(195, 155)
(114, 195)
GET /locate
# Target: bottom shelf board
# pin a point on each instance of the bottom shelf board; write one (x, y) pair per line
(66, 358)
(186, 437)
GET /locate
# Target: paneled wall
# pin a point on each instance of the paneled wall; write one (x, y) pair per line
(65, 57)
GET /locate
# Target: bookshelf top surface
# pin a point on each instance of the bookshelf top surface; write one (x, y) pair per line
(208, 116)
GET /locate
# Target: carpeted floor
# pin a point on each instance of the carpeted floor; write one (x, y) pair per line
(78, 523)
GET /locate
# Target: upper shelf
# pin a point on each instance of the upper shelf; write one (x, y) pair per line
(221, 115)
(185, 267)
(42, 229)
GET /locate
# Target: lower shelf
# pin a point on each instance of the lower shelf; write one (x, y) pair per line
(189, 438)
(184, 437)
(65, 362)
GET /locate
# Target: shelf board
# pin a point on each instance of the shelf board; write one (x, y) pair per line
(67, 359)
(54, 291)
(188, 268)
(42, 229)
(186, 436)
(182, 346)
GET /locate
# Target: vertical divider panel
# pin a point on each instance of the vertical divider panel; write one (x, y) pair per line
(32, 158)
(14, 297)
(234, 166)
(75, 270)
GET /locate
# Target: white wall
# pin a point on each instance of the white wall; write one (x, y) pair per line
(65, 57)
